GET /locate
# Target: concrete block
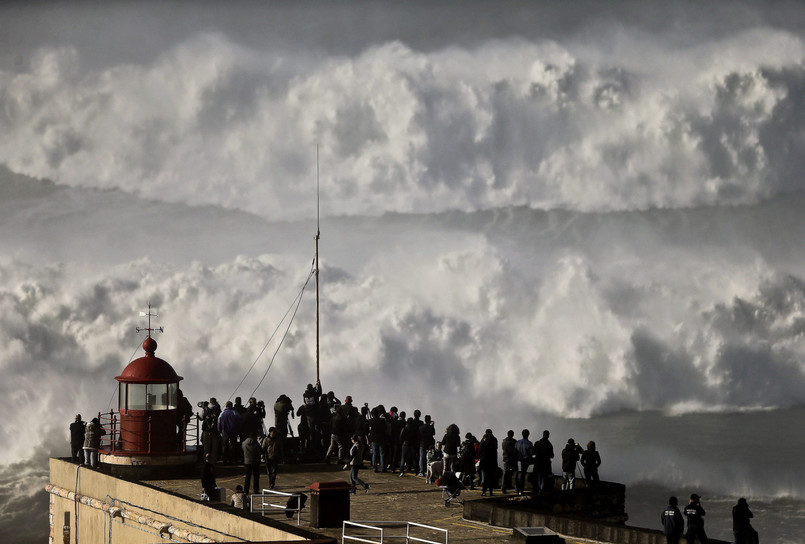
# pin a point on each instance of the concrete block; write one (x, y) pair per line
(536, 535)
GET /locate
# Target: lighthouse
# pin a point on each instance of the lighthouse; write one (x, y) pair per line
(153, 430)
(150, 421)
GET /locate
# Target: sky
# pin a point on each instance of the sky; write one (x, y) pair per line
(558, 210)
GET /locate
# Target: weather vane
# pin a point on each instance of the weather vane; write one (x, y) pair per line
(149, 328)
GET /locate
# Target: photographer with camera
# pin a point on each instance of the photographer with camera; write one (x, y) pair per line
(695, 514)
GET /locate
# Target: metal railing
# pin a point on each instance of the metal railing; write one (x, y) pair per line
(383, 531)
(112, 441)
(259, 504)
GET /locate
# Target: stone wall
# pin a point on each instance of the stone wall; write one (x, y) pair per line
(597, 514)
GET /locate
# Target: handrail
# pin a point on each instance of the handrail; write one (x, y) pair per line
(267, 492)
(113, 441)
(380, 526)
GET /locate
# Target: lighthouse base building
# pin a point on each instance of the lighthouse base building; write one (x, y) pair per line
(93, 507)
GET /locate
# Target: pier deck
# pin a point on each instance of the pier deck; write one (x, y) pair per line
(391, 498)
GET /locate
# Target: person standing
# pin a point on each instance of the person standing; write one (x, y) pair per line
(92, 442)
(450, 444)
(208, 478)
(282, 409)
(409, 438)
(543, 453)
(570, 456)
(525, 457)
(251, 459)
(229, 427)
(355, 463)
(466, 460)
(741, 527)
(427, 439)
(339, 433)
(77, 429)
(508, 448)
(377, 439)
(488, 461)
(695, 515)
(672, 523)
(272, 455)
(590, 461)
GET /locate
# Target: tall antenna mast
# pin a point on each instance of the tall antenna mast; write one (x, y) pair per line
(316, 238)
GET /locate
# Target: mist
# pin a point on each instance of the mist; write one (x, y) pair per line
(581, 218)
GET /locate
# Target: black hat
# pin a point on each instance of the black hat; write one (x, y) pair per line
(694, 497)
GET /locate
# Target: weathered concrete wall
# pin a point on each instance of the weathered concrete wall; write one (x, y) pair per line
(113, 510)
(607, 502)
(579, 513)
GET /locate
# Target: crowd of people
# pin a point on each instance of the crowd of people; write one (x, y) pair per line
(673, 524)
(392, 442)
(389, 440)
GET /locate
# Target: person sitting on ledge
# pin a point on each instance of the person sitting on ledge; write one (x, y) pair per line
(239, 498)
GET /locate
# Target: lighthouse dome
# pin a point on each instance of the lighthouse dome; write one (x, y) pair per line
(150, 368)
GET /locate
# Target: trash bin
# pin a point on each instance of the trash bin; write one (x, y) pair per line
(329, 503)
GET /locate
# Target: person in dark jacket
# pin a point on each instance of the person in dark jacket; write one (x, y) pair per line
(427, 439)
(355, 463)
(488, 461)
(543, 453)
(208, 477)
(378, 430)
(251, 459)
(695, 515)
(77, 429)
(507, 447)
(272, 455)
(396, 425)
(339, 436)
(590, 461)
(672, 523)
(570, 456)
(466, 459)
(282, 409)
(741, 526)
(228, 427)
(409, 438)
(311, 398)
(450, 444)
(525, 458)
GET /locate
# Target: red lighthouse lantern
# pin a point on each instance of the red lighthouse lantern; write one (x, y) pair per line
(149, 404)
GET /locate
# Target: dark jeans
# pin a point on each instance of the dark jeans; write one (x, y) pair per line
(407, 449)
(77, 451)
(747, 536)
(521, 475)
(379, 454)
(694, 533)
(509, 470)
(252, 470)
(271, 470)
(543, 481)
(353, 477)
(423, 460)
